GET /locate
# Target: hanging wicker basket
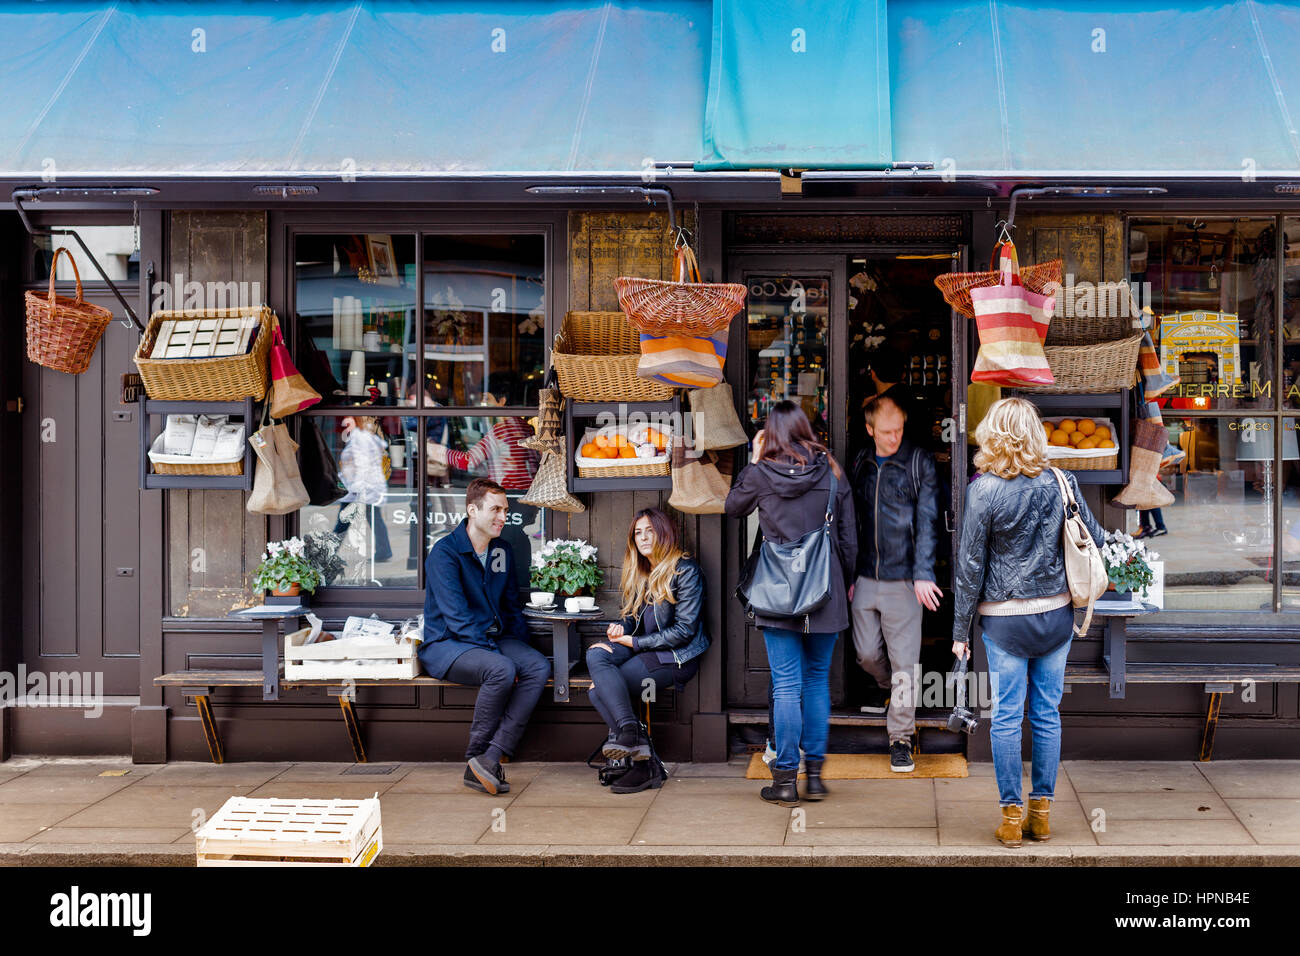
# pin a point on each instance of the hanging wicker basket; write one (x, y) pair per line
(595, 356)
(63, 333)
(656, 307)
(1091, 369)
(956, 286)
(216, 379)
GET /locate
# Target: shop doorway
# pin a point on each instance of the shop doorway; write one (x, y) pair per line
(814, 324)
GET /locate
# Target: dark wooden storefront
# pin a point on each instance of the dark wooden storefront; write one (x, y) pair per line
(168, 616)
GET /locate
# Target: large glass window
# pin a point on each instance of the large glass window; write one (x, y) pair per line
(479, 352)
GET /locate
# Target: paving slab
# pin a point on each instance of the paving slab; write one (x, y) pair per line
(348, 788)
(863, 836)
(575, 826)
(444, 818)
(335, 771)
(968, 823)
(679, 818)
(1165, 805)
(22, 821)
(1174, 833)
(450, 778)
(569, 786)
(37, 787)
(164, 807)
(110, 835)
(1269, 821)
(1254, 778)
(1116, 776)
(873, 803)
(196, 774)
(87, 766)
(984, 786)
(706, 855)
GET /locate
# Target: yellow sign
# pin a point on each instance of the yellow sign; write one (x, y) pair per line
(1191, 341)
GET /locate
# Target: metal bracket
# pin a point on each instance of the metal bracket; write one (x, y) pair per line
(34, 194)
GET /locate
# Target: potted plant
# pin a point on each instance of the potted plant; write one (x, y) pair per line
(1128, 565)
(566, 568)
(285, 569)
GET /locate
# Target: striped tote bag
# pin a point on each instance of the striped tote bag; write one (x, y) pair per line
(1012, 323)
(684, 361)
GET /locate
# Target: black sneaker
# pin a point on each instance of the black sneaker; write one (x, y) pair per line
(630, 742)
(877, 701)
(1158, 532)
(644, 775)
(900, 757)
(489, 779)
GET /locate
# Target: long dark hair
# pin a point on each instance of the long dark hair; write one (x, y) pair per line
(788, 435)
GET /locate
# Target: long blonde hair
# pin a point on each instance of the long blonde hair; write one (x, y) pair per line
(650, 580)
(1011, 440)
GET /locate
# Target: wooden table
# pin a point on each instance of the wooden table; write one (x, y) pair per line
(271, 615)
(1115, 639)
(564, 628)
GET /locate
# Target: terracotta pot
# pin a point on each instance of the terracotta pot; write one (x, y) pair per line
(291, 591)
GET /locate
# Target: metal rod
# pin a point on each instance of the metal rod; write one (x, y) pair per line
(648, 193)
(1089, 191)
(18, 196)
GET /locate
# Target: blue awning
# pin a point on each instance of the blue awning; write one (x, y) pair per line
(259, 87)
(798, 83)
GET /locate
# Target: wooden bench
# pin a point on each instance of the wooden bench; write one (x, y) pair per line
(199, 684)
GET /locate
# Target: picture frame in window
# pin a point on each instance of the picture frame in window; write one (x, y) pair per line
(383, 260)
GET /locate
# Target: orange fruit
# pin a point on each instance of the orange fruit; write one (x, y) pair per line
(1059, 437)
(627, 451)
(656, 438)
(1067, 425)
(1088, 443)
(1087, 426)
(602, 440)
(590, 450)
(1106, 443)
(1102, 432)
(619, 441)
(1048, 427)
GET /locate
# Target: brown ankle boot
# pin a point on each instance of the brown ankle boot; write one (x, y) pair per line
(1009, 833)
(1036, 826)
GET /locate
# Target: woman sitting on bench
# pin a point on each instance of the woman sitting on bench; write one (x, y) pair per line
(660, 637)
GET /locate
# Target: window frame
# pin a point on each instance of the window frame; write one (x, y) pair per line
(283, 228)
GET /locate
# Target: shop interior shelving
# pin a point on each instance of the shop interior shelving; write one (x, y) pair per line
(1088, 404)
(585, 411)
(152, 407)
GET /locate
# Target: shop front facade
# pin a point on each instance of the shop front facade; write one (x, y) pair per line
(430, 306)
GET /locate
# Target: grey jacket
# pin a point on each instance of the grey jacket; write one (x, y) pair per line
(791, 501)
(1011, 542)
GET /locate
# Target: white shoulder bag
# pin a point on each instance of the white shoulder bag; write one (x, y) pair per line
(1085, 571)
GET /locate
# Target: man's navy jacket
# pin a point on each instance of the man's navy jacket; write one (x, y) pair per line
(463, 600)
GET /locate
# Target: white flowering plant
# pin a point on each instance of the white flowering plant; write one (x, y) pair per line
(286, 563)
(1128, 562)
(565, 567)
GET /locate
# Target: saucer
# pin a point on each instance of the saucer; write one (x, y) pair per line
(541, 607)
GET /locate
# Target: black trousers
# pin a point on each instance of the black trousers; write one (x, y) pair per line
(510, 685)
(618, 678)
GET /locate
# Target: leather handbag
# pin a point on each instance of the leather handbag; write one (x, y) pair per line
(1085, 570)
(794, 578)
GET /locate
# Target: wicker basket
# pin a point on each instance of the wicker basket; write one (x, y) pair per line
(656, 307)
(62, 333)
(637, 470)
(163, 466)
(1088, 459)
(1098, 463)
(595, 356)
(1070, 327)
(227, 379)
(956, 286)
(1090, 369)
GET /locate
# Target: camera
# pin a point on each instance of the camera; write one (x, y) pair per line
(962, 719)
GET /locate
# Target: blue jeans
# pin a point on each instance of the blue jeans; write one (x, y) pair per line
(801, 693)
(1043, 680)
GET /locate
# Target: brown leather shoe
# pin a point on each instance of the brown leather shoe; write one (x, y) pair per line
(1009, 833)
(1036, 827)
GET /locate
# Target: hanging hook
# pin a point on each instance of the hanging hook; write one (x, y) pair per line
(1004, 236)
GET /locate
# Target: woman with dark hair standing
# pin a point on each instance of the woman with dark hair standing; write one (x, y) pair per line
(660, 638)
(789, 482)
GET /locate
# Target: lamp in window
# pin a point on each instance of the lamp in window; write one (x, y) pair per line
(1255, 444)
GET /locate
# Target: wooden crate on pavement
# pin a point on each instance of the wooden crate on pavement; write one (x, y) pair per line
(277, 831)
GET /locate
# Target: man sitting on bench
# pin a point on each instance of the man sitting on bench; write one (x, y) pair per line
(475, 633)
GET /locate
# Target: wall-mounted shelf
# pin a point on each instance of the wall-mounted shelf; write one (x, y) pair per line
(1087, 403)
(151, 407)
(574, 410)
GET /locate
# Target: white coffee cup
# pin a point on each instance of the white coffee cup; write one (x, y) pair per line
(572, 605)
(542, 598)
(587, 603)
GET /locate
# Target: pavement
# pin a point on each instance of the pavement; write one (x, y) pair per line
(84, 812)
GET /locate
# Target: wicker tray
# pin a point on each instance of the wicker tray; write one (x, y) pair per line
(1099, 463)
(167, 464)
(595, 356)
(637, 469)
(226, 379)
(1090, 369)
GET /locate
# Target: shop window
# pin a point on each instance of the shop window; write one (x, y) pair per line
(479, 352)
(115, 248)
(1291, 312)
(1211, 286)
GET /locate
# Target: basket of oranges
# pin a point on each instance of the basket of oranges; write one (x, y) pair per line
(1081, 444)
(624, 451)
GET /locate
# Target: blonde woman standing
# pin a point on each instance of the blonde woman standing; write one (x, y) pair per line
(1011, 571)
(660, 638)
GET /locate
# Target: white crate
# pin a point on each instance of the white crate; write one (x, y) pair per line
(275, 831)
(315, 661)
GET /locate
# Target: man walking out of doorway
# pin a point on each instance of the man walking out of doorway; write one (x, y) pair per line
(896, 496)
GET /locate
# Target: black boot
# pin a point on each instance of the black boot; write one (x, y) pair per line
(783, 792)
(644, 775)
(813, 788)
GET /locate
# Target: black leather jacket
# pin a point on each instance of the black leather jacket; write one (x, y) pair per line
(1011, 542)
(680, 625)
(897, 510)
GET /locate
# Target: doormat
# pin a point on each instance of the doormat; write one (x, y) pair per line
(872, 767)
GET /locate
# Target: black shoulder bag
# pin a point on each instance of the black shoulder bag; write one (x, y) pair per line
(792, 579)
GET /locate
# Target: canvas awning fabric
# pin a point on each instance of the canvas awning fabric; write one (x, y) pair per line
(513, 87)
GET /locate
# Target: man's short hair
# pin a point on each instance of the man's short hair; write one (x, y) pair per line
(877, 404)
(887, 364)
(479, 489)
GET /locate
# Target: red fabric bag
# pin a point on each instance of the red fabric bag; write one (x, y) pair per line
(1012, 323)
(290, 392)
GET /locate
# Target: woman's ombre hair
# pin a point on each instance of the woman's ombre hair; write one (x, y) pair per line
(1011, 440)
(649, 581)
